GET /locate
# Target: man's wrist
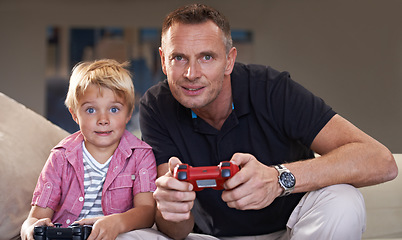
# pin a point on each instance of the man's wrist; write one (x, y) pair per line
(286, 180)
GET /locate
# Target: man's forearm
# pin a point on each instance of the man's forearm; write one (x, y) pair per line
(179, 230)
(358, 164)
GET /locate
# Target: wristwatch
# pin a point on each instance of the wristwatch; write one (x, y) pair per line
(286, 179)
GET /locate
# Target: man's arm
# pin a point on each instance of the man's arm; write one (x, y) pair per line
(348, 155)
(174, 199)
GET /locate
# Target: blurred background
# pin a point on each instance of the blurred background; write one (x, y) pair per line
(347, 52)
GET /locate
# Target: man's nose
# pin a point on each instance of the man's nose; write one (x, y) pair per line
(193, 70)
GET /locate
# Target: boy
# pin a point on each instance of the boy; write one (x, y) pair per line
(101, 175)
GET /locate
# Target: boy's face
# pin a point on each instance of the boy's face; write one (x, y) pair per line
(102, 117)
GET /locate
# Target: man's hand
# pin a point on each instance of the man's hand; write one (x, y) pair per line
(174, 198)
(255, 186)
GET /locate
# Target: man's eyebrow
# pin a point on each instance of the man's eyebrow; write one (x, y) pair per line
(207, 53)
(175, 54)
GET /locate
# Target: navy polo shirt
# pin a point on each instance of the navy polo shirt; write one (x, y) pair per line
(274, 118)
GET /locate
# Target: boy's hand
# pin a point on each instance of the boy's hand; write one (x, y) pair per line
(27, 229)
(105, 227)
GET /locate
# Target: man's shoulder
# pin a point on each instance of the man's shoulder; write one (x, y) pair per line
(161, 87)
(256, 72)
(160, 92)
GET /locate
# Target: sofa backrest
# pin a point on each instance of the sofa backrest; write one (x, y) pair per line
(25, 142)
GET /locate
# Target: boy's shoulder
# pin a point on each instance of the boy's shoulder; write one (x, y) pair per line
(129, 140)
(70, 141)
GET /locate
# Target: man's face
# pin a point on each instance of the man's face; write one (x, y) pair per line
(195, 62)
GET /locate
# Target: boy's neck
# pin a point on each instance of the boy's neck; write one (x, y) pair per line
(101, 155)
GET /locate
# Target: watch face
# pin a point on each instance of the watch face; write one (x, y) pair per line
(287, 179)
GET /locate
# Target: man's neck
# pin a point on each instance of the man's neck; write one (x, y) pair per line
(216, 113)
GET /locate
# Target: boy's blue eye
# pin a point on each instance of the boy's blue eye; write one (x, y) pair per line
(114, 110)
(90, 110)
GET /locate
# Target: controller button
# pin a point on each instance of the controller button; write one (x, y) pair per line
(226, 164)
(183, 166)
(182, 175)
(226, 173)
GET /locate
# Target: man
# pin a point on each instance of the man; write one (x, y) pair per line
(211, 109)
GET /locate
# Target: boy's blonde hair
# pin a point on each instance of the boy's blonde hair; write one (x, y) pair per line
(103, 73)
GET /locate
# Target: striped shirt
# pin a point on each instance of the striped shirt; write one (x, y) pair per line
(94, 177)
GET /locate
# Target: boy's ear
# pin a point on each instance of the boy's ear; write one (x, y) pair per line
(73, 115)
(129, 116)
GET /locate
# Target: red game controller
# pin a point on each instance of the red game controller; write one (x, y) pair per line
(206, 177)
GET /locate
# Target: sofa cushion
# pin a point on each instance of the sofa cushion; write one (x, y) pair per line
(25, 142)
(384, 208)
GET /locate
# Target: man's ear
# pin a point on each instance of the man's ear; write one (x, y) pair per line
(231, 59)
(73, 115)
(162, 55)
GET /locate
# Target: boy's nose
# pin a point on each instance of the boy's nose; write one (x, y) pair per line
(103, 119)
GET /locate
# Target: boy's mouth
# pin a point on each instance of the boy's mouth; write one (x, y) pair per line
(103, 132)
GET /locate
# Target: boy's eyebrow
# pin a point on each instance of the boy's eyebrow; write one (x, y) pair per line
(86, 103)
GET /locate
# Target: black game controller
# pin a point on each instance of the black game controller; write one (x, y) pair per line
(74, 232)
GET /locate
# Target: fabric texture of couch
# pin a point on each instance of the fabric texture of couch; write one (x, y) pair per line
(25, 142)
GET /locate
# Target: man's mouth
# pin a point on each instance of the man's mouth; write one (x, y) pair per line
(192, 89)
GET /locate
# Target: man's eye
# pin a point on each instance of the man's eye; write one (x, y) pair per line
(90, 110)
(178, 58)
(207, 57)
(114, 110)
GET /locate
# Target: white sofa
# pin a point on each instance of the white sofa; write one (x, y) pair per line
(384, 208)
(26, 139)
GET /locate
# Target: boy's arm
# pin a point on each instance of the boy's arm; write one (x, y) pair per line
(38, 216)
(109, 227)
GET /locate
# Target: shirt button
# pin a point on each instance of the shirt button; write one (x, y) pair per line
(81, 199)
(68, 221)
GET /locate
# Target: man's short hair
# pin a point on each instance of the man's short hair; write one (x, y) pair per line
(196, 14)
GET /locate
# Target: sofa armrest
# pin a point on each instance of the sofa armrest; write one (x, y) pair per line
(384, 208)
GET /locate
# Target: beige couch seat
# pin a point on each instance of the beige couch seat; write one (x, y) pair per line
(384, 208)
(25, 142)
